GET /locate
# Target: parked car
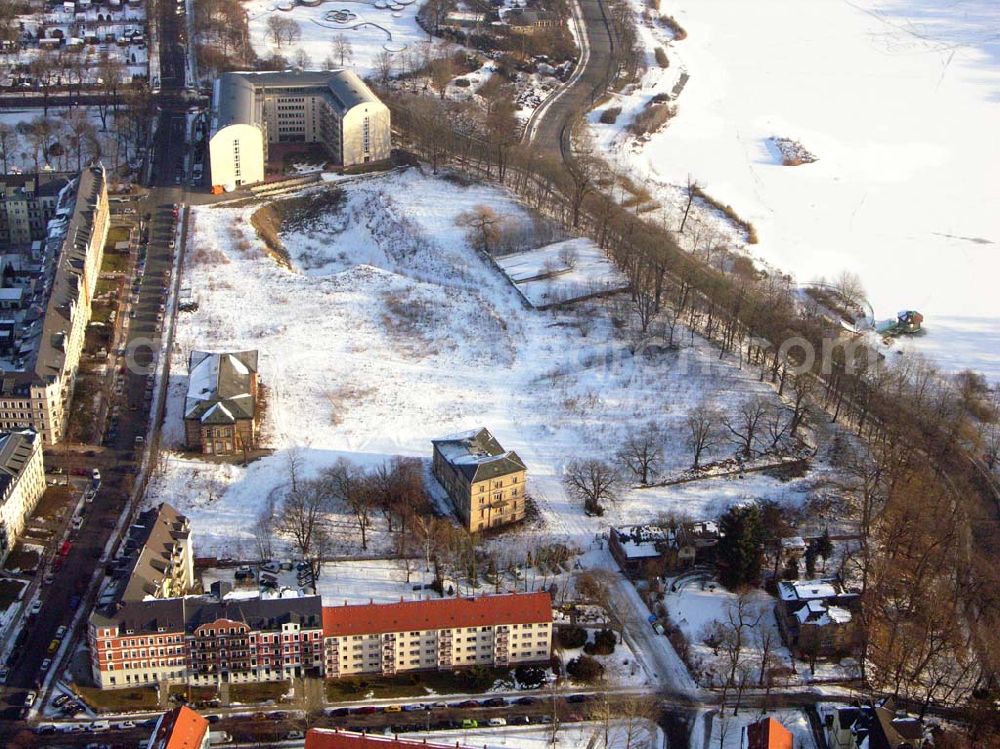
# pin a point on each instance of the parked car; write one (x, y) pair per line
(95, 476)
(470, 723)
(29, 699)
(496, 722)
(46, 664)
(392, 709)
(495, 702)
(61, 700)
(61, 631)
(35, 607)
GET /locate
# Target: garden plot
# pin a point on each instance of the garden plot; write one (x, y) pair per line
(372, 28)
(699, 604)
(727, 731)
(562, 272)
(388, 330)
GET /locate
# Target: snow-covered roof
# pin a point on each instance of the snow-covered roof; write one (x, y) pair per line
(804, 590)
(220, 386)
(477, 455)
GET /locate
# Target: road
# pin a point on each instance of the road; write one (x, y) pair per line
(551, 122)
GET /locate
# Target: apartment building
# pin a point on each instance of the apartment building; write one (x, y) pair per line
(447, 633)
(46, 307)
(485, 482)
(22, 483)
(334, 109)
(157, 558)
(201, 640)
(220, 411)
(335, 738)
(27, 204)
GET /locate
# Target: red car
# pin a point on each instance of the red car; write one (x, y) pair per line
(65, 548)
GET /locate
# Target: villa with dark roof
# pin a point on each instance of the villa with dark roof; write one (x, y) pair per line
(220, 411)
(485, 482)
(332, 108)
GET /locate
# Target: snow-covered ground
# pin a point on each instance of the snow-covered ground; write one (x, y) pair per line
(900, 102)
(370, 29)
(389, 331)
(562, 271)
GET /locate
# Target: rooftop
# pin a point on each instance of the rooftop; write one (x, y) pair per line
(805, 590)
(442, 613)
(16, 448)
(151, 551)
(32, 337)
(180, 728)
(235, 100)
(478, 455)
(220, 387)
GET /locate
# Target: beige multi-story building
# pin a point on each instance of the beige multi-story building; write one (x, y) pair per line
(45, 317)
(485, 482)
(251, 111)
(22, 483)
(448, 633)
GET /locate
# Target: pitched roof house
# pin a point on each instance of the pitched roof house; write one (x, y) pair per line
(180, 728)
(220, 411)
(816, 616)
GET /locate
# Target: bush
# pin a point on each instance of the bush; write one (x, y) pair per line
(572, 637)
(651, 119)
(610, 115)
(530, 677)
(676, 29)
(661, 57)
(605, 641)
(585, 668)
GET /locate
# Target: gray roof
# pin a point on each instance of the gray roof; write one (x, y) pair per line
(187, 614)
(44, 322)
(16, 449)
(220, 386)
(235, 93)
(150, 547)
(478, 455)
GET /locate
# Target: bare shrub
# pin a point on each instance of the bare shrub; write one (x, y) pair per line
(661, 57)
(679, 32)
(610, 115)
(729, 212)
(651, 119)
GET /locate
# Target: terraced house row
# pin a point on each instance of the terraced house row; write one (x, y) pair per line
(202, 640)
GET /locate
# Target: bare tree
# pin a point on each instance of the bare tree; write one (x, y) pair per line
(482, 226)
(342, 49)
(442, 70)
(8, 144)
(702, 424)
(745, 423)
(385, 64)
(357, 491)
(263, 532)
(301, 59)
(282, 31)
(848, 285)
(303, 518)
(592, 482)
(642, 451)
(690, 191)
(777, 424)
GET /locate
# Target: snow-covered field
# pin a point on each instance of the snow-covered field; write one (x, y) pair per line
(900, 102)
(562, 271)
(370, 29)
(621, 735)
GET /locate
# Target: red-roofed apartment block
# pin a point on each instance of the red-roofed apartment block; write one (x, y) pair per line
(768, 734)
(180, 728)
(441, 633)
(323, 738)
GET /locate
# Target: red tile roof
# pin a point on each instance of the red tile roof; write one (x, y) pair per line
(769, 734)
(438, 613)
(180, 728)
(326, 738)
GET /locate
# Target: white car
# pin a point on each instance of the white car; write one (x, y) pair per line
(95, 474)
(61, 632)
(29, 699)
(496, 722)
(35, 607)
